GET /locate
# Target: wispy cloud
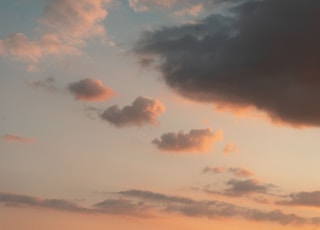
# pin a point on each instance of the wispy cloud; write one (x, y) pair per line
(17, 139)
(236, 171)
(47, 84)
(196, 140)
(142, 111)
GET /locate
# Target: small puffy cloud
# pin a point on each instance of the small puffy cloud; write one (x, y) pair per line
(17, 139)
(230, 148)
(303, 199)
(246, 58)
(142, 111)
(90, 90)
(197, 140)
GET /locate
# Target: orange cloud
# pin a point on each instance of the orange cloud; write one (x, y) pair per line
(142, 111)
(197, 140)
(90, 90)
(17, 139)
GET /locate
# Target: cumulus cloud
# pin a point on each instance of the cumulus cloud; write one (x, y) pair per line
(90, 90)
(303, 199)
(260, 53)
(236, 171)
(65, 24)
(142, 111)
(197, 140)
(17, 139)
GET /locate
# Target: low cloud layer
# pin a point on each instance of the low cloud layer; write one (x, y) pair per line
(311, 199)
(262, 53)
(197, 140)
(90, 90)
(58, 204)
(17, 139)
(145, 204)
(142, 111)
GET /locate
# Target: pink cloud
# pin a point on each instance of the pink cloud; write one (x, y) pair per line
(17, 139)
(64, 26)
(230, 148)
(90, 90)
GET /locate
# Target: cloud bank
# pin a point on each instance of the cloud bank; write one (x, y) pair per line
(261, 53)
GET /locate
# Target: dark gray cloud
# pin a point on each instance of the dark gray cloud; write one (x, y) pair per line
(142, 111)
(261, 53)
(90, 90)
(58, 204)
(197, 140)
(303, 199)
(245, 187)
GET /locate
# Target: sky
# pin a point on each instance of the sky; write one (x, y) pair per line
(159, 114)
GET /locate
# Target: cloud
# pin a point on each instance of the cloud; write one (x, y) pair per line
(142, 111)
(230, 148)
(58, 204)
(245, 187)
(145, 5)
(260, 53)
(47, 84)
(197, 140)
(303, 199)
(236, 171)
(213, 208)
(123, 207)
(17, 139)
(90, 90)
(64, 26)
(193, 10)
(142, 204)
